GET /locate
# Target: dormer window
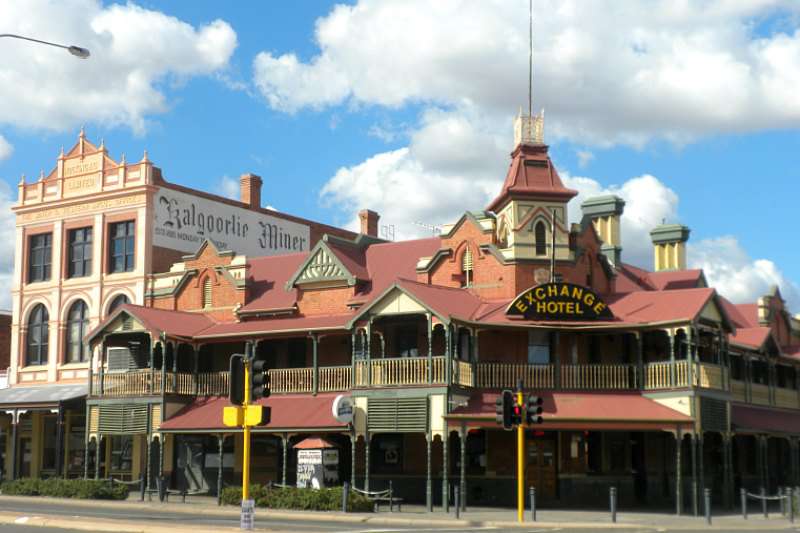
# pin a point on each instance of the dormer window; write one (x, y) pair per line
(466, 268)
(540, 237)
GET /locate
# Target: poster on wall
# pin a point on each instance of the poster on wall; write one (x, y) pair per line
(183, 221)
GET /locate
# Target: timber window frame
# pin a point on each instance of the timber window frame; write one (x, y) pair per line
(77, 350)
(79, 252)
(122, 246)
(40, 257)
(37, 336)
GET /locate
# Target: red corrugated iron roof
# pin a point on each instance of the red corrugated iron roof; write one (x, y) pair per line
(750, 314)
(277, 325)
(590, 407)
(746, 418)
(446, 301)
(531, 174)
(175, 323)
(750, 337)
(676, 279)
(267, 283)
(290, 411)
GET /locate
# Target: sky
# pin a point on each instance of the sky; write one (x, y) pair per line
(689, 110)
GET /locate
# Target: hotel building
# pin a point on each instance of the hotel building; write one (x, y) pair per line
(652, 381)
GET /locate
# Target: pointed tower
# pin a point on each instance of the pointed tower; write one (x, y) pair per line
(531, 193)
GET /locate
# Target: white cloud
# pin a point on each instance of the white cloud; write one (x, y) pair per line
(584, 158)
(5, 148)
(607, 71)
(134, 53)
(230, 188)
(736, 275)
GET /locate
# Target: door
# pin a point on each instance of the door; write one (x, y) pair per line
(25, 456)
(541, 467)
(190, 464)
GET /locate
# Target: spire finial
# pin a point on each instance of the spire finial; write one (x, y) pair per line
(144, 158)
(22, 179)
(122, 160)
(41, 175)
(102, 143)
(82, 134)
(61, 155)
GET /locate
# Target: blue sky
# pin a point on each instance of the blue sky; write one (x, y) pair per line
(689, 113)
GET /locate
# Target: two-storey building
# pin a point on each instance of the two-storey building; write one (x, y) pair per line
(90, 234)
(652, 381)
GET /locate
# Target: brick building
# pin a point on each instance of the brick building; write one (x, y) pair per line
(90, 236)
(652, 381)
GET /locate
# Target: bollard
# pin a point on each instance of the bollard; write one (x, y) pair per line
(743, 496)
(458, 502)
(707, 504)
(141, 487)
(345, 494)
(612, 495)
(764, 502)
(391, 497)
(532, 493)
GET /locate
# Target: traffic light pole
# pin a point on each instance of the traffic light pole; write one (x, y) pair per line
(246, 431)
(520, 462)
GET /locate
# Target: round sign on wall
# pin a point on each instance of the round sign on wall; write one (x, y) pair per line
(342, 409)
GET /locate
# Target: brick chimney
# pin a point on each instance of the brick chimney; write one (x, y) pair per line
(369, 222)
(250, 190)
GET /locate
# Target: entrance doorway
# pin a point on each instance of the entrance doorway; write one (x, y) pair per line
(25, 456)
(541, 467)
(191, 456)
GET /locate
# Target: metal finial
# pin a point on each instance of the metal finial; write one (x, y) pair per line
(144, 158)
(82, 134)
(41, 175)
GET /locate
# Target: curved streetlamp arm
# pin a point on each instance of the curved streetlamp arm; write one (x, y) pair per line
(77, 51)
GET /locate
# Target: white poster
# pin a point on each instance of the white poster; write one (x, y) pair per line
(183, 221)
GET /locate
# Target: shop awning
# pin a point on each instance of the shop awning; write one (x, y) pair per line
(43, 396)
(749, 419)
(581, 411)
(288, 412)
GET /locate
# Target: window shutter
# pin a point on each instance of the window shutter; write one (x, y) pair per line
(207, 292)
(466, 261)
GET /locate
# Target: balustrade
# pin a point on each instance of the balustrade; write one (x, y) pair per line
(334, 378)
(506, 375)
(598, 377)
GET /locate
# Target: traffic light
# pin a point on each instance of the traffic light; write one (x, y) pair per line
(504, 409)
(236, 379)
(259, 380)
(533, 410)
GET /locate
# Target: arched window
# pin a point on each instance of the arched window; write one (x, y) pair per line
(466, 267)
(77, 328)
(118, 300)
(207, 292)
(540, 235)
(38, 334)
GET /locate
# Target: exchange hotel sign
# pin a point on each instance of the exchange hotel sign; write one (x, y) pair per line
(559, 301)
(183, 221)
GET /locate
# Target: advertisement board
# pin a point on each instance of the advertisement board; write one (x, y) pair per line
(183, 221)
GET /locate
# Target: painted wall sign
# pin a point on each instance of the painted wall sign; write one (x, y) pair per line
(559, 301)
(183, 221)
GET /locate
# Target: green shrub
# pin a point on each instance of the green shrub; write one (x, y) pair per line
(85, 489)
(301, 499)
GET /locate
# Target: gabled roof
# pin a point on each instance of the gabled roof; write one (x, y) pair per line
(531, 174)
(662, 306)
(444, 302)
(158, 321)
(330, 260)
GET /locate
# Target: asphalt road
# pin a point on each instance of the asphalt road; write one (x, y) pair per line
(42, 509)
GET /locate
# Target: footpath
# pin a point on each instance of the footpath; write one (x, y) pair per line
(415, 517)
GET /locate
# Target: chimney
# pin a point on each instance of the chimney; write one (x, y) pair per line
(669, 246)
(369, 222)
(605, 213)
(250, 190)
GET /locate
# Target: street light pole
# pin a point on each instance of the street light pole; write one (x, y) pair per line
(77, 51)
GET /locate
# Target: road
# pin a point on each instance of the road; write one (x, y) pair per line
(180, 520)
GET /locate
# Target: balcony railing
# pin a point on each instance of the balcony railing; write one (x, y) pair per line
(144, 382)
(506, 375)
